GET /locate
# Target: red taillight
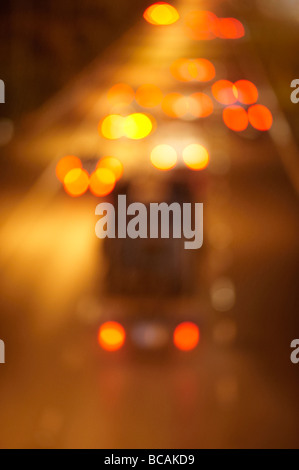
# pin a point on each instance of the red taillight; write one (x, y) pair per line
(186, 336)
(111, 336)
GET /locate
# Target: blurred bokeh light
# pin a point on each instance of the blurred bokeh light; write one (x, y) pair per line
(161, 14)
(186, 336)
(111, 336)
(102, 181)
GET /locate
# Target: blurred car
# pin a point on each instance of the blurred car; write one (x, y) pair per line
(151, 286)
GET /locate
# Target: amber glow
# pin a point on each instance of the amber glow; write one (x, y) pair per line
(175, 105)
(134, 126)
(180, 71)
(200, 25)
(163, 157)
(111, 336)
(65, 165)
(102, 182)
(186, 70)
(260, 117)
(196, 157)
(235, 118)
(229, 28)
(76, 182)
(149, 96)
(205, 70)
(186, 336)
(246, 92)
(204, 25)
(112, 164)
(200, 105)
(121, 93)
(111, 127)
(137, 126)
(225, 92)
(161, 14)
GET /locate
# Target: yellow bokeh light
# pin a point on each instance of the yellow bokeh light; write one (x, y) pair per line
(111, 127)
(134, 126)
(112, 164)
(163, 157)
(111, 336)
(196, 157)
(76, 182)
(137, 126)
(102, 182)
(161, 14)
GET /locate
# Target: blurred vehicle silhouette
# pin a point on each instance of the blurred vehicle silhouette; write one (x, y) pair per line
(154, 280)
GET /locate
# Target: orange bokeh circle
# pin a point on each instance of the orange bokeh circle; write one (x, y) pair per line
(235, 118)
(102, 182)
(76, 182)
(111, 336)
(186, 336)
(260, 117)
